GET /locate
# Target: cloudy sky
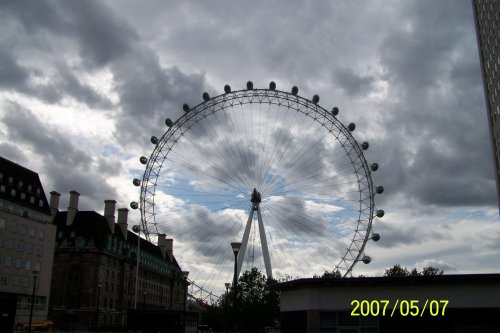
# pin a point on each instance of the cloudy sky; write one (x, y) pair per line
(84, 85)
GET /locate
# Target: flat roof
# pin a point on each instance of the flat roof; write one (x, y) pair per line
(390, 280)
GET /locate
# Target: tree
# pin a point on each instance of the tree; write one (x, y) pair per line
(257, 303)
(397, 270)
(330, 275)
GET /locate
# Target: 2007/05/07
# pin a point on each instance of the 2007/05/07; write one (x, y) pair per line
(406, 307)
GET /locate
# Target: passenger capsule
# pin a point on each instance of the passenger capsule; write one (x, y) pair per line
(374, 166)
(351, 127)
(250, 85)
(367, 260)
(136, 182)
(154, 140)
(227, 89)
(206, 96)
(375, 237)
(365, 145)
(186, 107)
(295, 90)
(143, 160)
(379, 189)
(335, 111)
(380, 213)
(134, 205)
(169, 122)
(272, 85)
(315, 99)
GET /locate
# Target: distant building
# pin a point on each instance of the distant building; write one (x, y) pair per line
(443, 303)
(94, 274)
(487, 20)
(27, 238)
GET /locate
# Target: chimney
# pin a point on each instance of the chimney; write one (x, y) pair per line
(169, 247)
(72, 207)
(109, 213)
(162, 244)
(54, 202)
(122, 221)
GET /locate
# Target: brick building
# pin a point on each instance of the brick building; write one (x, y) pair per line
(94, 273)
(26, 245)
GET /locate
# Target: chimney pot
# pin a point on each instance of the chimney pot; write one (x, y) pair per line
(122, 221)
(109, 213)
(54, 202)
(72, 207)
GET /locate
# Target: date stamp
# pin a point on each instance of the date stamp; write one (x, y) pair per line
(403, 307)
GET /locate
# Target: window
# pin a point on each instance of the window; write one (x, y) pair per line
(37, 267)
(2, 223)
(1, 242)
(32, 200)
(12, 226)
(15, 280)
(32, 232)
(13, 192)
(26, 281)
(41, 234)
(29, 248)
(23, 196)
(22, 229)
(20, 246)
(2, 188)
(20, 183)
(39, 251)
(19, 263)
(7, 261)
(40, 203)
(27, 265)
(5, 279)
(10, 243)
(11, 180)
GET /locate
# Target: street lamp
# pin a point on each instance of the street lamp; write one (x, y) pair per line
(35, 275)
(98, 298)
(137, 229)
(185, 275)
(236, 248)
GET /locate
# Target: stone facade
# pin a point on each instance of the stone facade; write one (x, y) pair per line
(94, 272)
(26, 245)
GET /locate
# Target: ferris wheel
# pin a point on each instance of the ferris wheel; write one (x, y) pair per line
(269, 168)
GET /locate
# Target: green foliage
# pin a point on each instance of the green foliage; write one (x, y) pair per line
(397, 270)
(257, 304)
(330, 275)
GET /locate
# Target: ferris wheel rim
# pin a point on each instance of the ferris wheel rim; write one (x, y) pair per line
(264, 96)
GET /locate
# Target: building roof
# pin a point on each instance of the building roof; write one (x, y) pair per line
(92, 225)
(22, 186)
(389, 281)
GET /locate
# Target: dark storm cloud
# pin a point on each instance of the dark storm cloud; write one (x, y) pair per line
(435, 118)
(352, 82)
(393, 236)
(13, 153)
(101, 36)
(68, 166)
(12, 75)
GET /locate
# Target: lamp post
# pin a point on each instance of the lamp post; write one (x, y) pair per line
(35, 275)
(227, 284)
(98, 299)
(185, 275)
(137, 229)
(236, 248)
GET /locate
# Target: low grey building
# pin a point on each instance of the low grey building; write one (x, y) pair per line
(444, 303)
